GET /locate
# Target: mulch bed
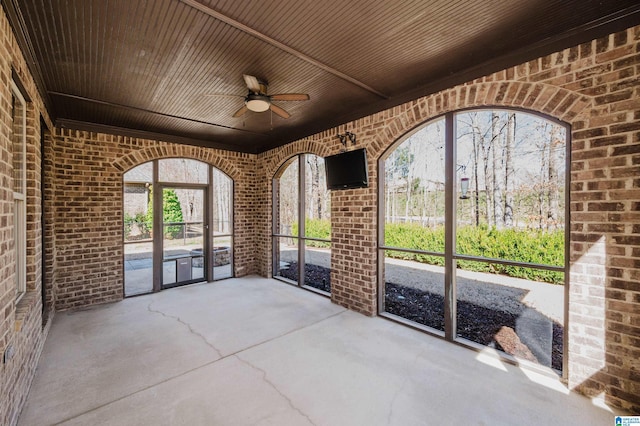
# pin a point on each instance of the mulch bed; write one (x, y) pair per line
(477, 323)
(314, 276)
(489, 327)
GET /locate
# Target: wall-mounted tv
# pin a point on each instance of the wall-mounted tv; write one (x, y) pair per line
(347, 170)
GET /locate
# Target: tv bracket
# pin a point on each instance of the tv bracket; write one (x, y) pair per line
(350, 136)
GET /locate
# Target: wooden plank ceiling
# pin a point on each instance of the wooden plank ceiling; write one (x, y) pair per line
(173, 68)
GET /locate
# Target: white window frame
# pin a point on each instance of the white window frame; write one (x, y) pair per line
(19, 207)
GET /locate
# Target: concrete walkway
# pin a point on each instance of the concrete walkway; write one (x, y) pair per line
(255, 351)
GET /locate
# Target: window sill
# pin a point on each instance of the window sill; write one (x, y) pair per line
(24, 307)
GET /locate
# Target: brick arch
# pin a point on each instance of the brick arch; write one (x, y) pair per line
(304, 146)
(205, 155)
(562, 104)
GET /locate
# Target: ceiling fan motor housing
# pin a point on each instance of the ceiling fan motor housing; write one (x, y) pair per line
(257, 103)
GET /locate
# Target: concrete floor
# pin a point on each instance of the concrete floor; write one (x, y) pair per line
(254, 351)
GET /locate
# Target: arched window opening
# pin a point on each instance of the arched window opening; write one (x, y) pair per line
(196, 239)
(474, 229)
(301, 224)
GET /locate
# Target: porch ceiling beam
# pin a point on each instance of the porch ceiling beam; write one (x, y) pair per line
(257, 34)
(148, 111)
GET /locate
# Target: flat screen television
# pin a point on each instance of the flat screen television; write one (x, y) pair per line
(347, 170)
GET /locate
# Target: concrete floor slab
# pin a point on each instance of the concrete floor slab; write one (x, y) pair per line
(254, 351)
(228, 392)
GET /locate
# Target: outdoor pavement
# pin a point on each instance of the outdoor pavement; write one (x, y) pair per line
(255, 351)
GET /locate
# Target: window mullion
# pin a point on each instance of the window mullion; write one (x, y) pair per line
(450, 231)
(211, 216)
(301, 217)
(156, 230)
(275, 225)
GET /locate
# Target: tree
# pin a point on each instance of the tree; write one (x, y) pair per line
(553, 193)
(288, 197)
(496, 132)
(475, 179)
(315, 196)
(509, 170)
(221, 201)
(484, 145)
(402, 170)
(171, 212)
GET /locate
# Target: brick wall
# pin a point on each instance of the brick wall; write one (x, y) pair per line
(604, 343)
(7, 260)
(21, 324)
(595, 87)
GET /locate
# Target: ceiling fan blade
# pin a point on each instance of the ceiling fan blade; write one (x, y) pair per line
(279, 111)
(290, 97)
(223, 95)
(241, 111)
(252, 83)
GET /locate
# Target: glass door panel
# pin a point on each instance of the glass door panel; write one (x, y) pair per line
(222, 229)
(138, 238)
(183, 236)
(222, 258)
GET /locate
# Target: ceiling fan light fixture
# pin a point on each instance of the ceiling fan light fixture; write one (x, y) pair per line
(257, 103)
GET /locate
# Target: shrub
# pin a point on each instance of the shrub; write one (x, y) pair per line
(315, 228)
(140, 220)
(171, 212)
(521, 245)
(128, 225)
(135, 227)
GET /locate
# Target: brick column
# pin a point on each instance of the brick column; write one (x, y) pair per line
(353, 247)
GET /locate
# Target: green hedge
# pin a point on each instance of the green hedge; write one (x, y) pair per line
(139, 221)
(521, 245)
(315, 228)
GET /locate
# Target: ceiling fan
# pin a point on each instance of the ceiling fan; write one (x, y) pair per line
(257, 99)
